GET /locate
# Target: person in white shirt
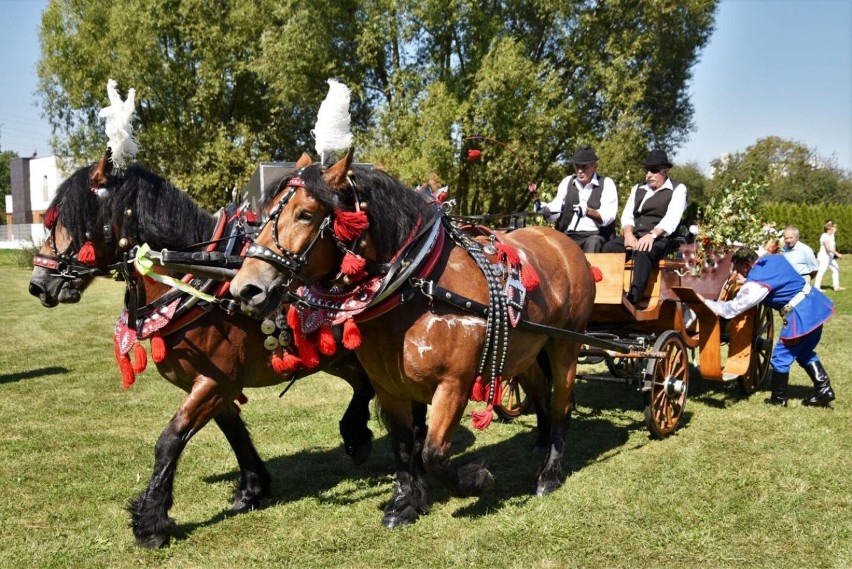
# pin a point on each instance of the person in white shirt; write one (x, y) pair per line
(827, 257)
(585, 205)
(798, 253)
(652, 213)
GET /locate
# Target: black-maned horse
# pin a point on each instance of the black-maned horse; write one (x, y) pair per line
(436, 344)
(210, 354)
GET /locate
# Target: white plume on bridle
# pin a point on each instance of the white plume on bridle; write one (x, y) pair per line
(331, 131)
(119, 129)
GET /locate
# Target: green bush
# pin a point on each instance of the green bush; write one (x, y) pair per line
(810, 220)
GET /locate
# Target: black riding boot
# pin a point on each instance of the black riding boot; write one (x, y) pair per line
(779, 388)
(823, 394)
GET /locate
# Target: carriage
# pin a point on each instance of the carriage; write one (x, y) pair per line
(650, 348)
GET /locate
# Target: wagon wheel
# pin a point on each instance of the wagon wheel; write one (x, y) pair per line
(762, 338)
(669, 379)
(514, 402)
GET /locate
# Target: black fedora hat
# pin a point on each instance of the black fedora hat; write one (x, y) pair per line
(584, 155)
(658, 158)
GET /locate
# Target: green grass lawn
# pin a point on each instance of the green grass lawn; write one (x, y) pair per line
(741, 484)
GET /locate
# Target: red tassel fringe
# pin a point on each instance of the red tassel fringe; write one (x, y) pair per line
(158, 349)
(87, 253)
(326, 341)
(597, 274)
(510, 253)
(529, 278)
(352, 264)
(306, 350)
(285, 363)
(349, 224)
(128, 378)
(482, 419)
(140, 358)
(351, 335)
(479, 386)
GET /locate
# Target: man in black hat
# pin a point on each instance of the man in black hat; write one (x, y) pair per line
(652, 213)
(585, 205)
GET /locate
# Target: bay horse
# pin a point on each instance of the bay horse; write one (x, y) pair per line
(213, 357)
(431, 347)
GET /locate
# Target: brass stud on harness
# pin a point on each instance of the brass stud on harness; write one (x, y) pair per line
(128, 212)
(123, 242)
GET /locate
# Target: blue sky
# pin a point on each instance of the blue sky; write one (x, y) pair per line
(772, 67)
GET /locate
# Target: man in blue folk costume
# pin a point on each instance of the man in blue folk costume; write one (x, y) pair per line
(772, 280)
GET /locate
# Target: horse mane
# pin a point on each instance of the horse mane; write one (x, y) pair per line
(162, 215)
(393, 209)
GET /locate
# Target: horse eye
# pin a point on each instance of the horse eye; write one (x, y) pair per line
(305, 215)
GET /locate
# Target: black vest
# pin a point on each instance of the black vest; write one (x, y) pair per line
(654, 210)
(572, 198)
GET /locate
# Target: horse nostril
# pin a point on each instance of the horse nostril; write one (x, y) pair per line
(36, 290)
(249, 292)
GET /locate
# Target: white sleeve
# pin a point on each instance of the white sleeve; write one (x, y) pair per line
(609, 202)
(627, 214)
(674, 213)
(750, 295)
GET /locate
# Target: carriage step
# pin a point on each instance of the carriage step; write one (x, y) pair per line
(729, 376)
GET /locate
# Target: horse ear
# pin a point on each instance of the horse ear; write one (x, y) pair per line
(100, 174)
(336, 176)
(304, 161)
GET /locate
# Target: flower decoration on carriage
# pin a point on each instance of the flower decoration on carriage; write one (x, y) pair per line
(729, 221)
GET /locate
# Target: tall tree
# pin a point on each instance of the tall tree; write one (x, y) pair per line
(793, 172)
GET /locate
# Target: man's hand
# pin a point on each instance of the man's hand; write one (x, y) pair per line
(580, 210)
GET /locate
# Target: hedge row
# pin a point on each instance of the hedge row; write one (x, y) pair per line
(810, 220)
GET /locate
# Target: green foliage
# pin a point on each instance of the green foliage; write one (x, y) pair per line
(223, 85)
(810, 219)
(5, 179)
(792, 172)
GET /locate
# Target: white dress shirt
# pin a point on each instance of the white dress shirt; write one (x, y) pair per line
(607, 211)
(669, 223)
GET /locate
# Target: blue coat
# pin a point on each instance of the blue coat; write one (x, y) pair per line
(778, 275)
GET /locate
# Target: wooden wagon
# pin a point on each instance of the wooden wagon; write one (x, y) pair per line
(649, 348)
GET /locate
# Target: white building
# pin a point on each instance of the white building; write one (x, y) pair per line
(34, 184)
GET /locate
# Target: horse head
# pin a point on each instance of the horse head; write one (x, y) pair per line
(98, 216)
(326, 224)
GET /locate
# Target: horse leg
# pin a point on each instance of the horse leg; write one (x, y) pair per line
(357, 436)
(149, 511)
(536, 384)
(563, 358)
(409, 494)
(418, 413)
(255, 481)
(469, 479)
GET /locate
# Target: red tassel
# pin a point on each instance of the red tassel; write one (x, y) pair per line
(352, 264)
(481, 419)
(498, 390)
(307, 352)
(597, 274)
(242, 399)
(294, 321)
(351, 335)
(128, 378)
(529, 278)
(285, 363)
(158, 349)
(50, 218)
(140, 358)
(510, 253)
(87, 253)
(327, 343)
(478, 391)
(349, 224)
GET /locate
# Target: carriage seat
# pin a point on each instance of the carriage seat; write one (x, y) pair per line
(618, 272)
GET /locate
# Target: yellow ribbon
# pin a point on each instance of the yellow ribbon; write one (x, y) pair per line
(145, 266)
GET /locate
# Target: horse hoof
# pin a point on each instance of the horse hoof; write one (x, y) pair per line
(245, 502)
(360, 453)
(153, 541)
(396, 519)
(547, 487)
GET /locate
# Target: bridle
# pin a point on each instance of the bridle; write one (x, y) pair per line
(65, 264)
(285, 261)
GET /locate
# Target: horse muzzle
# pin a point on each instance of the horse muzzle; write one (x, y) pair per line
(51, 289)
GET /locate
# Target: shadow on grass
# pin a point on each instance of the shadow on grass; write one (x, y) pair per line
(40, 372)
